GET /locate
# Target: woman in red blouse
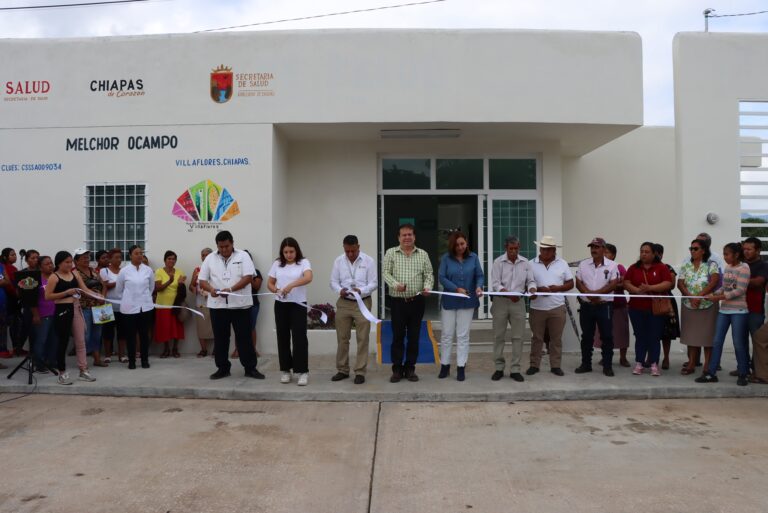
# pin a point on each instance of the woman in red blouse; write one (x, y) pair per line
(647, 276)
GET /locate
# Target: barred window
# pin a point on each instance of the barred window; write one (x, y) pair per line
(115, 216)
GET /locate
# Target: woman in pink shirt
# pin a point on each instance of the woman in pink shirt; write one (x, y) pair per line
(733, 314)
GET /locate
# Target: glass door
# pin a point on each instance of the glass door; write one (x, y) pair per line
(435, 217)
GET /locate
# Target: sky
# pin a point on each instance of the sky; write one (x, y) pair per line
(657, 21)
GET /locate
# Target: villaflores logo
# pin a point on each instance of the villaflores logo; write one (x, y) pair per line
(27, 90)
(206, 205)
(224, 81)
(119, 88)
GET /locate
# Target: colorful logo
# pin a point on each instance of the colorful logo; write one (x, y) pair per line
(222, 84)
(206, 201)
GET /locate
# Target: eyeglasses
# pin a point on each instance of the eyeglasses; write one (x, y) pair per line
(693, 248)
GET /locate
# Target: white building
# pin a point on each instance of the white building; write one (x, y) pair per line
(318, 134)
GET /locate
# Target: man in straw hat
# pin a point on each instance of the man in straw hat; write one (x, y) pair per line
(548, 313)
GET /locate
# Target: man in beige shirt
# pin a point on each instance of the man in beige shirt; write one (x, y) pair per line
(511, 272)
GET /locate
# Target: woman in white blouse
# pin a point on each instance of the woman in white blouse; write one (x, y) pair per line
(135, 284)
(288, 278)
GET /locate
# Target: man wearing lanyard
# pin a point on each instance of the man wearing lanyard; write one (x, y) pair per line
(408, 274)
(224, 272)
(511, 272)
(596, 275)
(548, 313)
(352, 271)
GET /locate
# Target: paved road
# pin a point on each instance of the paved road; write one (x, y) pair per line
(101, 454)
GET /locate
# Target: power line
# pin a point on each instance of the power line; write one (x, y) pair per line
(323, 15)
(79, 4)
(732, 15)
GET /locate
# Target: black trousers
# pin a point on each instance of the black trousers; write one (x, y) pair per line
(598, 316)
(223, 321)
(16, 324)
(406, 321)
(138, 324)
(291, 323)
(64, 315)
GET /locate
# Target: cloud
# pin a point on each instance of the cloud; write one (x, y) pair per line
(657, 21)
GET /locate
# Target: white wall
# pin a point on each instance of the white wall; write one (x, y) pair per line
(335, 76)
(46, 210)
(713, 71)
(624, 192)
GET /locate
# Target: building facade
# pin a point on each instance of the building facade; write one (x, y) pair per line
(164, 140)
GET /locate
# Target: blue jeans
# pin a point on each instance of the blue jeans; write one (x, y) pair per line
(92, 332)
(44, 344)
(648, 329)
(739, 333)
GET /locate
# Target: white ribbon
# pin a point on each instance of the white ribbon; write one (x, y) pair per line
(119, 302)
(582, 294)
(364, 309)
(323, 315)
(452, 294)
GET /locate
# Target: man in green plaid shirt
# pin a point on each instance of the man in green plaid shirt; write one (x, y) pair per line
(408, 275)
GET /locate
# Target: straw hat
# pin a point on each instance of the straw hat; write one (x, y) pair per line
(547, 241)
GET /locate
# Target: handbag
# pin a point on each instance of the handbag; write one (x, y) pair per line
(660, 305)
(103, 314)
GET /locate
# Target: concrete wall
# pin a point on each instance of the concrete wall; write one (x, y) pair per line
(334, 76)
(713, 71)
(625, 192)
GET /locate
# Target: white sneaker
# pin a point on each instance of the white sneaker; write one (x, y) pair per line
(86, 376)
(285, 377)
(303, 379)
(63, 379)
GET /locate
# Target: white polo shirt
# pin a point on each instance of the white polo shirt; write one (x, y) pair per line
(595, 277)
(221, 273)
(556, 273)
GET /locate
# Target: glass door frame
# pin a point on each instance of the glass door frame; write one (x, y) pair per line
(485, 197)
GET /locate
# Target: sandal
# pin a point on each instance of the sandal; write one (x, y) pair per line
(123, 359)
(755, 379)
(100, 364)
(687, 370)
(175, 353)
(107, 360)
(202, 354)
(166, 353)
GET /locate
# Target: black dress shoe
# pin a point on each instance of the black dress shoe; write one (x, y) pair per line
(339, 376)
(608, 372)
(410, 375)
(145, 365)
(557, 371)
(531, 371)
(359, 379)
(220, 374)
(395, 377)
(131, 365)
(497, 375)
(254, 373)
(581, 369)
(517, 377)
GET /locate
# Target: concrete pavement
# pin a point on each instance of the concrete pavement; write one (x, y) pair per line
(187, 377)
(133, 455)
